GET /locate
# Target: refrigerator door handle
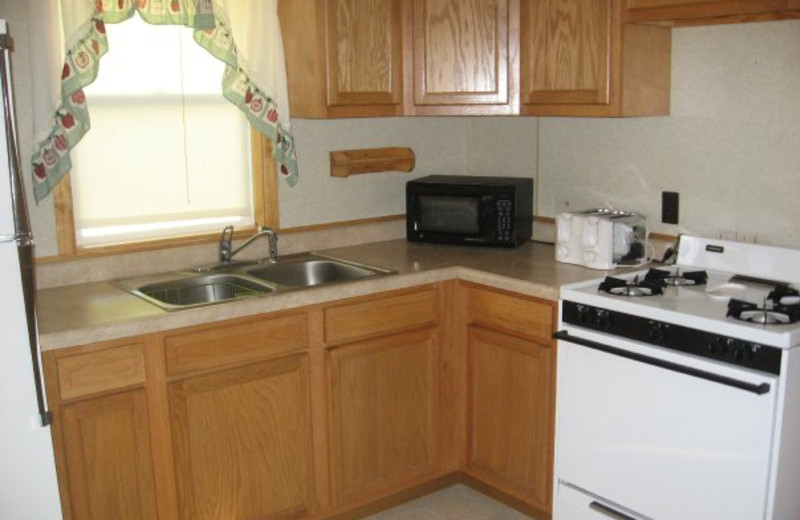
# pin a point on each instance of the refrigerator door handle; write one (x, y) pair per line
(22, 226)
(25, 249)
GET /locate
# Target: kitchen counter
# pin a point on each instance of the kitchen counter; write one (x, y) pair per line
(87, 313)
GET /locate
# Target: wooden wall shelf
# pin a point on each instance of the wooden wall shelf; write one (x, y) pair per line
(345, 163)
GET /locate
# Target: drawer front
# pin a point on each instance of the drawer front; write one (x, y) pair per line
(99, 371)
(381, 316)
(513, 314)
(237, 343)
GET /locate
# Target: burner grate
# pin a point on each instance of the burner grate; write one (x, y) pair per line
(769, 314)
(677, 277)
(631, 288)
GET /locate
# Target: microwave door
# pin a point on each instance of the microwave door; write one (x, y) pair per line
(449, 215)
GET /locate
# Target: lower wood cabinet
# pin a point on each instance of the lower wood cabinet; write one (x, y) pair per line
(384, 412)
(108, 462)
(511, 394)
(510, 421)
(242, 441)
(309, 413)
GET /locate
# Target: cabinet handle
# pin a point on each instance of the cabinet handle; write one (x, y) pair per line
(608, 511)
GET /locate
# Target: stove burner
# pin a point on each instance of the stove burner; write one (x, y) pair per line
(769, 314)
(765, 317)
(784, 295)
(677, 277)
(631, 288)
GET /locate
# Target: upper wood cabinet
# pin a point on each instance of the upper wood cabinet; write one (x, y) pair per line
(579, 59)
(696, 12)
(464, 53)
(358, 58)
(364, 53)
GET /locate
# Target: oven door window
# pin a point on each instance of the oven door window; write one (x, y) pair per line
(665, 444)
(443, 214)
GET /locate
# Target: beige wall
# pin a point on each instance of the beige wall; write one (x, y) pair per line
(731, 146)
(452, 146)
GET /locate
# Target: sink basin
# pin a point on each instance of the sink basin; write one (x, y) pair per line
(219, 283)
(311, 270)
(200, 290)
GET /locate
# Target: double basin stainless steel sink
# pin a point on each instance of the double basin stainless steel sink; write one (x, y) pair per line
(237, 280)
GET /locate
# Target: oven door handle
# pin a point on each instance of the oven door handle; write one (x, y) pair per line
(759, 389)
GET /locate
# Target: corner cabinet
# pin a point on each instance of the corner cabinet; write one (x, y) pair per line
(579, 59)
(511, 393)
(383, 361)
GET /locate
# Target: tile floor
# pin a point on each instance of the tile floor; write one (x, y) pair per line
(457, 502)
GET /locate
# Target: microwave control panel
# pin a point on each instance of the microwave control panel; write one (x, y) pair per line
(505, 220)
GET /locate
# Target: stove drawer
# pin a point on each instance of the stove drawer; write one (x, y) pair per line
(573, 504)
(668, 444)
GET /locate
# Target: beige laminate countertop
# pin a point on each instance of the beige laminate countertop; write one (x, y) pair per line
(87, 313)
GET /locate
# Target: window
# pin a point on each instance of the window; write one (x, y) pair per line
(167, 155)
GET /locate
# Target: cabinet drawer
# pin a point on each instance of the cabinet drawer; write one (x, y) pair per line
(514, 314)
(381, 316)
(99, 371)
(216, 346)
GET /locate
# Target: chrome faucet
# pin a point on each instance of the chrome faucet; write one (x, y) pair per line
(226, 253)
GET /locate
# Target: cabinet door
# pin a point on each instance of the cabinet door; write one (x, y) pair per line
(566, 51)
(109, 462)
(461, 52)
(364, 52)
(511, 406)
(242, 442)
(383, 407)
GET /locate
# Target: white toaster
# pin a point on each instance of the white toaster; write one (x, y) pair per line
(569, 235)
(612, 239)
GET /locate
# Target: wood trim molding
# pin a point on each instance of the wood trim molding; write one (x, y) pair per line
(265, 181)
(65, 217)
(265, 211)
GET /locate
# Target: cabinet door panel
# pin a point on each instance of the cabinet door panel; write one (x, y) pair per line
(461, 52)
(511, 412)
(242, 442)
(365, 59)
(384, 395)
(108, 456)
(566, 50)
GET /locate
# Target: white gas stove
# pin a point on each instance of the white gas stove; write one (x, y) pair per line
(679, 389)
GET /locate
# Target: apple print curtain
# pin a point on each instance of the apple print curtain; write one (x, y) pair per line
(245, 34)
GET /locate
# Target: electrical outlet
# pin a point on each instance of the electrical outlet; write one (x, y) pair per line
(669, 207)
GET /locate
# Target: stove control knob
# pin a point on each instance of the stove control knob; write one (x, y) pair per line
(603, 320)
(742, 352)
(657, 332)
(584, 315)
(719, 346)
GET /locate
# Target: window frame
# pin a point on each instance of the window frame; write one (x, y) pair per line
(265, 211)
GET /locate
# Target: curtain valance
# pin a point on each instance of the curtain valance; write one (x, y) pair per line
(245, 34)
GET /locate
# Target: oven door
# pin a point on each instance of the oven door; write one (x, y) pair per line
(663, 434)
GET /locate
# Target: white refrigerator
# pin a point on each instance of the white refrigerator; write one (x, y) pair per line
(28, 486)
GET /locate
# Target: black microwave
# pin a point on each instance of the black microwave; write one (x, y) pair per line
(480, 211)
